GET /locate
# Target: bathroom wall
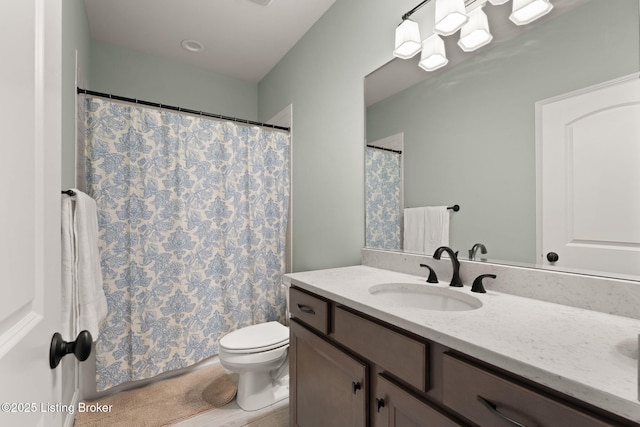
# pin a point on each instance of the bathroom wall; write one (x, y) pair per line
(132, 74)
(455, 153)
(75, 36)
(322, 76)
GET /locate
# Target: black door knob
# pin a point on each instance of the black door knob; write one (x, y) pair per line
(81, 348)
(552, 257)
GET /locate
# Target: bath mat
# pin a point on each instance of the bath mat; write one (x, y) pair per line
(162, 403)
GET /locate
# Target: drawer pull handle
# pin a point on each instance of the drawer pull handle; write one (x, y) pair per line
(356, 386)
(306, 309)
(379, 404)
(494, 409)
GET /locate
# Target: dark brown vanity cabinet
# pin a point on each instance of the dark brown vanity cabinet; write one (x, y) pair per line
(328, 387)
(346, 370)
(349, 369)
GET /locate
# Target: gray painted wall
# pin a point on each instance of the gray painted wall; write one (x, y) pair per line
(322, 77)
(75, 36)
(455, 153)
(132, 74)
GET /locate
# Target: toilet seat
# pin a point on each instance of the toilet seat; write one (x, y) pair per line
(256, 338)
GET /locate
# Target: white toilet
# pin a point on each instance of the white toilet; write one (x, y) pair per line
(259, 354)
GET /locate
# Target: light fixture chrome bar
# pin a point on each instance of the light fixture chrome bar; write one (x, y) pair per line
(414, 10)
(408, 14)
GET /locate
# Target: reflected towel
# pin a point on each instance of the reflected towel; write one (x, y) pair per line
(84, 302)
(426, 229)
(414, 222)
(436, 231)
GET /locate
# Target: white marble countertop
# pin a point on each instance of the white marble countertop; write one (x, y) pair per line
(586, 354)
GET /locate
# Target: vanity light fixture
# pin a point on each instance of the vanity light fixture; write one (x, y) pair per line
(450, 16)
(526, 11)
(433, 53)
(475, 33)
(407, 39)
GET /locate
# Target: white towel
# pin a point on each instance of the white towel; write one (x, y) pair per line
(414, 222)
(84, 301)
(436, 228)
(68, 271)
(426, 229)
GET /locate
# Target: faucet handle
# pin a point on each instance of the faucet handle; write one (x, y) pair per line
(477, 283)
(432, 274)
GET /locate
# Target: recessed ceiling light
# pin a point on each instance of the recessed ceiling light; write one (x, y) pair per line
(192, 45)
(262, 2)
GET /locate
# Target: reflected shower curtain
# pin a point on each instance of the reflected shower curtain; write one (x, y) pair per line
(383, 199)
(192, 218)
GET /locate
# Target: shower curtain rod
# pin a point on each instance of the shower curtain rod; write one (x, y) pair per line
(180, 109)
(384, 149)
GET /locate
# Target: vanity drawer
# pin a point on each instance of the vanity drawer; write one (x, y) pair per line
(465, 385)
(309, 309)
(399, 355)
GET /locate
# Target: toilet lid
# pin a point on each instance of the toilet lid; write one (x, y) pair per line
(260, 337)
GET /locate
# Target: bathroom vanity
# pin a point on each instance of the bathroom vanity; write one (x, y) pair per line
(366, 350)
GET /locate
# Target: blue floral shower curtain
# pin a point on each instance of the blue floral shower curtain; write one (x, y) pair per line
(192, 218)
(383, 199)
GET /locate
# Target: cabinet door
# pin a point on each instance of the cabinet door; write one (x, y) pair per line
(395, 407)
(328, 387)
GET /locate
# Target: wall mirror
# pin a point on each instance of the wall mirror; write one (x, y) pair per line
(467, 132)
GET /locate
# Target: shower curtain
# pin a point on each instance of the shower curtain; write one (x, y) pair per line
(383, 199)
(192, 218)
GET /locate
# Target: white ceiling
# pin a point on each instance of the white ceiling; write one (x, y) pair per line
(241, 38)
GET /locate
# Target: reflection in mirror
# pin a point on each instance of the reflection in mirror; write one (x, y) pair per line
(383, 193)
(469, 129)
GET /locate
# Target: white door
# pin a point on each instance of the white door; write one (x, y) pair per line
(588, 146)
(30, 139)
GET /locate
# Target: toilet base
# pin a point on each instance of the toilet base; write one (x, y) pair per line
(257, 390)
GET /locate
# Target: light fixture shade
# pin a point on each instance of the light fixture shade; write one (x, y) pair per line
(433, 53)
(525, 11)
(497, 2)
(407, 39)
(475, 33)
(450, 16)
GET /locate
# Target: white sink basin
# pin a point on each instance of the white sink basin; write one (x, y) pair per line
(426, 297)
